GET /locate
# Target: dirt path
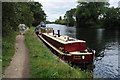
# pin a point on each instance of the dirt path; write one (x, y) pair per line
(18, 67)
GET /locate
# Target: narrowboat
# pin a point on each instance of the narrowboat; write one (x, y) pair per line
(67, 48)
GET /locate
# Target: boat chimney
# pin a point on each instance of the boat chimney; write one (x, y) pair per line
(58, 33)
(53, 32)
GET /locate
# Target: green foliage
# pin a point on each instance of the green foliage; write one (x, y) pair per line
(44, 64)
(0, 69)
(60, 18)
(13, 14)
(70, 17)
(0, 58)
(111, 18)
(0, 48)
(39, 14)
(87, 13)
(16, 13)
(62, 21)
(92, 15)
(48, 22)
(8, 49)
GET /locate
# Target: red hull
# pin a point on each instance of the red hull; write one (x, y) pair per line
(70, 47)
(78, 58)
(77, 46)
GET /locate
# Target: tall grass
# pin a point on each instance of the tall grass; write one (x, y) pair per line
(44, 64)
(0, 48)
(8, 48)
(0, 58)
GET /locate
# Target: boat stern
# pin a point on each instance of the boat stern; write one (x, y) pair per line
(79, 57)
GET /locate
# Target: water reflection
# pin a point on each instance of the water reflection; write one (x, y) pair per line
(71, 31)
(99, 35)
(107, 67)
(105, 42)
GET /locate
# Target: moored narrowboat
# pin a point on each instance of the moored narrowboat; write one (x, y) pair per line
(67, 48)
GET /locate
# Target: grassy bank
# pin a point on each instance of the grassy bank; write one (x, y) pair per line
(0, 58)
(8, 48)
(44, 64)
(0, 48)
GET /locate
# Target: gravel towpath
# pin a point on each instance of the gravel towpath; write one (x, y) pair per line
(19, 66)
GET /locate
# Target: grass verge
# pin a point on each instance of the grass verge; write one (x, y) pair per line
(44, 64)
(0, 48)
(8, 49)
(0, 58)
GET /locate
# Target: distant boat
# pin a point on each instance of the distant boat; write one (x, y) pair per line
(67, 48)
(42, 24)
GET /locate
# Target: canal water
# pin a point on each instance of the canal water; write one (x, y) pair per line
(105, 42)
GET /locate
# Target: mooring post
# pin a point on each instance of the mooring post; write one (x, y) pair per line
(53, 32)
(58, 33)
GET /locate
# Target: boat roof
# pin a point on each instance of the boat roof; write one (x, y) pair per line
(63, 38)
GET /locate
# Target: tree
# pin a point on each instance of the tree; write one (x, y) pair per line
(38, 14)
(87, 13)
(70, 17)
(111, 18)
(16, 13)
(60, 18)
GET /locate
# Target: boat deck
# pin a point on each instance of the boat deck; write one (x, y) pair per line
(62, 39)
